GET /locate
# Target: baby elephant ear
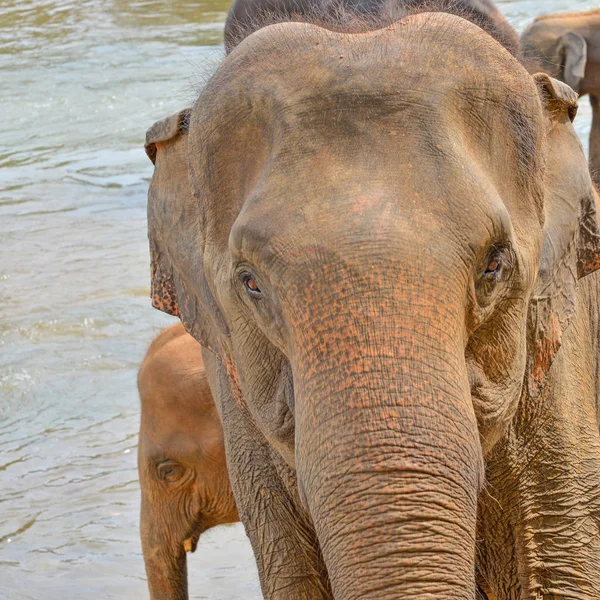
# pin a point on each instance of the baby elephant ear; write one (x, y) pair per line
(571, 245)
(573, 50)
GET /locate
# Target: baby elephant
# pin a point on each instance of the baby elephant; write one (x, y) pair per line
(181, 461)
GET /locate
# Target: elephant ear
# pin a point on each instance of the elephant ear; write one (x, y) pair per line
(573, 50)
(166, 130)
(178, 283)
(165, 135)
(571, 245)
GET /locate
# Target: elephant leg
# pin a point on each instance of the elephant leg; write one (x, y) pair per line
(285, 546)
(595, 140)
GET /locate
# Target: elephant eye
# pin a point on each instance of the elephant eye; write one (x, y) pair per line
(251, 285)
(169, 471)
(492, 274)
(494, 266)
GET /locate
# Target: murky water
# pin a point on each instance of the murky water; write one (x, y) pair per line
(81, 82)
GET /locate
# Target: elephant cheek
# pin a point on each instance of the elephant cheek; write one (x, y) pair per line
(494, 409)
(495, 402)
(162, 291)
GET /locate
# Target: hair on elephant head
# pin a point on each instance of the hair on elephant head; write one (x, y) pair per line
(247, 16)
(379, 235)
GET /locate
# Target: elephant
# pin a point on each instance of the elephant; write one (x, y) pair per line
(567, 47)
(245, 16)
(382, 240)
(181, 461)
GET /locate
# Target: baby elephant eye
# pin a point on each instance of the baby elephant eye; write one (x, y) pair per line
(170, 471)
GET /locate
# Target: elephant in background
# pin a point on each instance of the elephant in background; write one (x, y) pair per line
(567, 46)
(380, 253)
(181, 461)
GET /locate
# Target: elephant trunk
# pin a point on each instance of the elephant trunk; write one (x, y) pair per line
(164, 557)
(388, 456)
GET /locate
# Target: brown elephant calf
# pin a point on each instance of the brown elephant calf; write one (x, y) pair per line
(181, 461)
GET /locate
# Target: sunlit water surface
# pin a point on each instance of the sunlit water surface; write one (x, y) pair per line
(81, 82)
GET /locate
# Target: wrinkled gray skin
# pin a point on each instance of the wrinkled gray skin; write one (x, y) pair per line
(567, 47)
(539, 511)
(380, 253)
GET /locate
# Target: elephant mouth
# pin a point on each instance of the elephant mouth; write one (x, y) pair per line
(191, 543)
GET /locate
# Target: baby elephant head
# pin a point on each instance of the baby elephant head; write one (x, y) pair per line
(181, 458)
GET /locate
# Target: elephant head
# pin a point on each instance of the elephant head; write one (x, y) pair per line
(377, 248)
(181, 460)
(567, 46)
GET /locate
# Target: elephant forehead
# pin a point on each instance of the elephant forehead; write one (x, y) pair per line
(289, 67)
(304, 113)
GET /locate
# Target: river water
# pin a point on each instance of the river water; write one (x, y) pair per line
(81, 82)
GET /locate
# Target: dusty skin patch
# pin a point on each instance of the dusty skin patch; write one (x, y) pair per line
(163, 291)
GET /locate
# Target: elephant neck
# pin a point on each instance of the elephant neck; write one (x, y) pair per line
(541, 507)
